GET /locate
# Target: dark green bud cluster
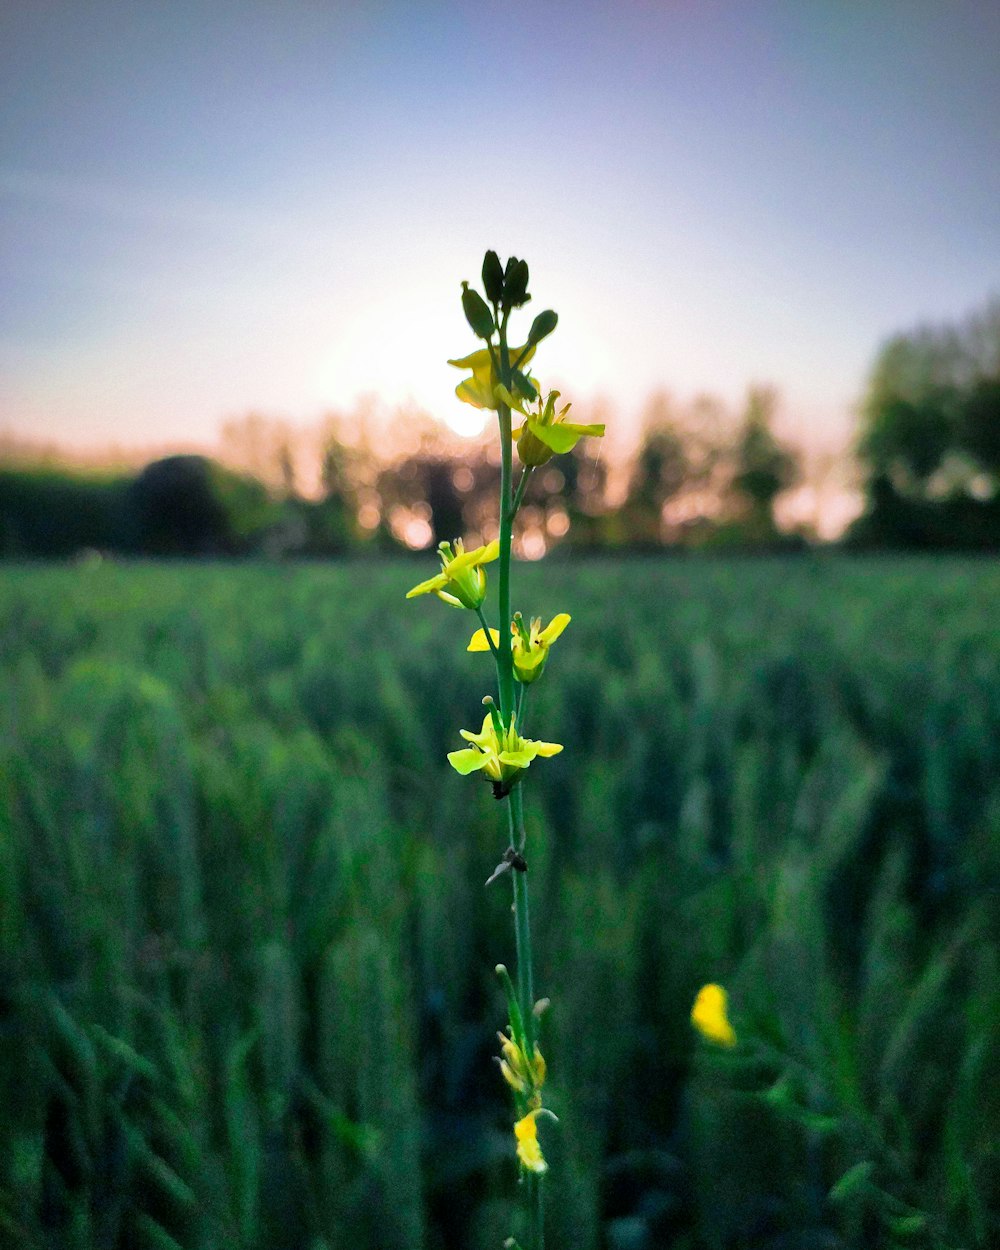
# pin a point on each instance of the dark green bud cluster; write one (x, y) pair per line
(506, 288)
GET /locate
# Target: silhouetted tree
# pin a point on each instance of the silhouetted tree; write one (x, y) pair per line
(930, 437)
(188, 505)
(659, 472)
(50, 512)
(762, 468)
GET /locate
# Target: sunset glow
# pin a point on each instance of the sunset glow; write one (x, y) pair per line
(207, 214)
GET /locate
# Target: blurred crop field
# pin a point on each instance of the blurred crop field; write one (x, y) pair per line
(247, 996)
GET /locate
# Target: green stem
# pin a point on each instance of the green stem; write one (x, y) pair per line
(505, 658)
(536, 1213)
(522, 484)
(517, 816)
(522, 922)
(509, 504)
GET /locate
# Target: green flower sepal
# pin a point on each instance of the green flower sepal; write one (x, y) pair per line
(498, 752)
(462, 581)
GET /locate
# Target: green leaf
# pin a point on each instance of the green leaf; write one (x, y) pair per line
(513, 1009)
(908, 1225)
(853, 1183)
(523, 384)
(125, 1053)
(154, 1235)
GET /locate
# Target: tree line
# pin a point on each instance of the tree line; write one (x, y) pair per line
(927, 453)
(692, 481)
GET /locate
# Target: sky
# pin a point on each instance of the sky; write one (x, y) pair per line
(217, 207)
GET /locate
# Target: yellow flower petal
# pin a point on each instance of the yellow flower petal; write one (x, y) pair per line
(516, 759)
(547, 749)
(480, 389)
(480, 555)
(479, 643)
(710, 1017)
(475, 360)
(467, 761)
(539, 1068)
(512, 1079)
(554, 628)
(473, 392)
(432, 583)
(528, 1149)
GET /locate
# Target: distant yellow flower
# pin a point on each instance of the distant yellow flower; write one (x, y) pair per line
(481, 389)
(528, 1149)
(525, 1076)
(530, 646)
(461, 582)
(545, 433)
(501, 754)
(709, 1015)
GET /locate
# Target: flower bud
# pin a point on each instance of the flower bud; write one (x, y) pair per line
(477, 314)
(493, 277)
(531, 451)
(515, 283)
(542, 326)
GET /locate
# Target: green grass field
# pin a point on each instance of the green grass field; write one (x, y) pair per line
(246, 986)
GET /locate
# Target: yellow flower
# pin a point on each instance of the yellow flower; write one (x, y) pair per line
(501, 754)
(530, 646)
(528, 1149)
(480, 389)
(710, 1018)
(461, 581)
(524, 1076)
(545, 434)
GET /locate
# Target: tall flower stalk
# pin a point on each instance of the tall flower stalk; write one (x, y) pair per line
(499, 381)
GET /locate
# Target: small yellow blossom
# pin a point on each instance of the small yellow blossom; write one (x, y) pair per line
(525, 1076)
(530, 646)
(545, 433)
(481, 389)
(461, 582)
(501, 754)
(528, 1149)
(709, 1015)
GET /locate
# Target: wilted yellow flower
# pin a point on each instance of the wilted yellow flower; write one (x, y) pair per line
(710, 1017)
(461, 582)
(528, 1149)
(530, 646)
(501, 754)
(545, 433)
(481, 389)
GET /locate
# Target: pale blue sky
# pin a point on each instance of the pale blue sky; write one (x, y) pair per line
(208, 208)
